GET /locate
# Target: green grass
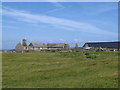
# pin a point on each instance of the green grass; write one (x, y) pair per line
(60, 70)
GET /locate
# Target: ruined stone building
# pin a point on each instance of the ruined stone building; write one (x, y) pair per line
(41, 46)
(91, 46)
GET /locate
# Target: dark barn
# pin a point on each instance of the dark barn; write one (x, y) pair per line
(115, 45)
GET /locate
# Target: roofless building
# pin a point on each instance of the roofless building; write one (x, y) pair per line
(40, 46)
(90, 46)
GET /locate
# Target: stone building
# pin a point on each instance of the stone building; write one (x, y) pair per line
(19, 47)
(41, 46)
(63, 47)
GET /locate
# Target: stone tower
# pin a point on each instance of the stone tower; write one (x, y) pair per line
(24, 42)
(76, 45)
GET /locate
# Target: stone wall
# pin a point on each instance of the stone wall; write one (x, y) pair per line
(19, 47)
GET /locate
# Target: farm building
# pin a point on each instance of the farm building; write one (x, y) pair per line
(41, 46)
(91, 46)
(109, 45)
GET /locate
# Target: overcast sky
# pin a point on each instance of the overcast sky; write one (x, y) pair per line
(63, 22)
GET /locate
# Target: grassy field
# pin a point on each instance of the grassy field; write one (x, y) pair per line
(60, 70)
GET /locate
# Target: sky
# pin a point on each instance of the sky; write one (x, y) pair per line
(58, 22)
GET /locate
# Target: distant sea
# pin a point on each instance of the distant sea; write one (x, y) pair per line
(6, 49)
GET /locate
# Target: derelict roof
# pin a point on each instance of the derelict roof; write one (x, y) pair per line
(38, 44)
(47, 44)
(56, 44)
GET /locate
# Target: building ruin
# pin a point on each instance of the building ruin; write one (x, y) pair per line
(63, 47)
(41, 47)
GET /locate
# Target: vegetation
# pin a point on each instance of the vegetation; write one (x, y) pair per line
(91, 56)
(60, 70)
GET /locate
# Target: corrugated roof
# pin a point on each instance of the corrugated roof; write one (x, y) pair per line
(104, 44)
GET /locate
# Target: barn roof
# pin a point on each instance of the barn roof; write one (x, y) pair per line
(47, 45)
(55, 44)
(38, 44)
(103, 44)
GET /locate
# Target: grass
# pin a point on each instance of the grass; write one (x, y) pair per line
(60, 70)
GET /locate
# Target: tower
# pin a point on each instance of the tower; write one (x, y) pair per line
(24, 42)
(76, 45)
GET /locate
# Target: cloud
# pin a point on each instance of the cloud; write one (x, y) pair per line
(100, 10)
(62, 40)
(9, 27)
(77, 40)
(54, 10)
(56, 3)
(54, 21)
